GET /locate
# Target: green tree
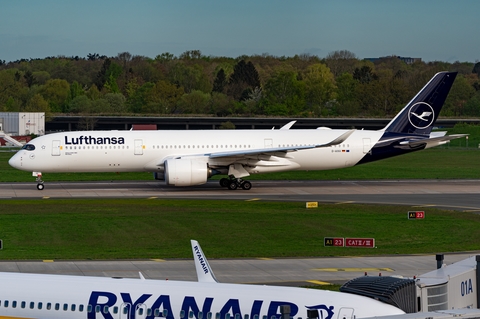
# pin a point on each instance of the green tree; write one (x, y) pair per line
(460, 93)
(37, 104)
(220, 82)
(195, 102)
(284, 94)
(116, 103)
(81, 104)
(162, 98)
(243, 80)
(320, 87)
(56, 93)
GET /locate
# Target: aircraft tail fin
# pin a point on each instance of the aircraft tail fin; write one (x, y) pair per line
(204, 271)
(419, 115)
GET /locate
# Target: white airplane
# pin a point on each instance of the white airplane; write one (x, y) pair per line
(60, 296)
(186, 158)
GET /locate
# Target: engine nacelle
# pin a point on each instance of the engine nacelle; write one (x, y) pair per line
(186, 172)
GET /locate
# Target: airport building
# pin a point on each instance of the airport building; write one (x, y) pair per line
(17, 128)
(23, 123)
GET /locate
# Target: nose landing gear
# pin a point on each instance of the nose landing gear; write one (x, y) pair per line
(39, 181)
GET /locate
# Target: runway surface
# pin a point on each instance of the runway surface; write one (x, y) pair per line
(462, 195)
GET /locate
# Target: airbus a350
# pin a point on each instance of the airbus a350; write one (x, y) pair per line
(186, 158)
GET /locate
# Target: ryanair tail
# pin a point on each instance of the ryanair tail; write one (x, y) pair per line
(419, 115)
(204, 271)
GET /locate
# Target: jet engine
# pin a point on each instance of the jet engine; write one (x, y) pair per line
(186, 172)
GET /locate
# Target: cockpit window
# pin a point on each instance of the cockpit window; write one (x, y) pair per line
(28, 147)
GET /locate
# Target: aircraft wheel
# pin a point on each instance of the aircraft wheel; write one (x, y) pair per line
(224, 182)
(233, 185)
(246, 185)
(40, 186)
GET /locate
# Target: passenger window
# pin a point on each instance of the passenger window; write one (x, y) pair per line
(14, 304)
(140, 311)
(40, 305)
(105, 309)
(156, 313)
(73, 307)
(97, 308)
(49, 306)
(5, 303)
(57, 306)
(65, 307)
(89, 308)
(182, 313)
(115, 309)
(200, 315)
(23, 304)
(209, 315)
(80, 308)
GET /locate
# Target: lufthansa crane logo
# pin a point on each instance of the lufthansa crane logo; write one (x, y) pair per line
(421, 115)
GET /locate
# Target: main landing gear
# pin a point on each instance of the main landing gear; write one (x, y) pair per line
(39, 181)
(234, 183)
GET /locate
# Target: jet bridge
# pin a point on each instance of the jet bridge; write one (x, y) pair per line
(442, 290)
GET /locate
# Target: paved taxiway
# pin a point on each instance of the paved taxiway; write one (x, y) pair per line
(462, 195)
(451, 194)
(295, 271)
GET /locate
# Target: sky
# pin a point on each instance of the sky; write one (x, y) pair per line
(433, 30)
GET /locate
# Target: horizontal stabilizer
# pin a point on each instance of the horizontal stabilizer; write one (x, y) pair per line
(204, 272)
(434, 141)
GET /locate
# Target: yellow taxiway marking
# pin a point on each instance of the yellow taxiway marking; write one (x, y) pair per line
(48, 261)
(318, 282)
(152, 197)
(352, 269)
(252, 199)
(265, 258)
(158, 260)
(46, 197)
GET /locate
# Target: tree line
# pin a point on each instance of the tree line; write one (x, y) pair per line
(339, 85)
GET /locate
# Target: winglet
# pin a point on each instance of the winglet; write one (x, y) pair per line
(338, 140)
(204, 271)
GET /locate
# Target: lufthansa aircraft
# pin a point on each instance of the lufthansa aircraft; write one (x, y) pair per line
(186, 158)
(59, 296)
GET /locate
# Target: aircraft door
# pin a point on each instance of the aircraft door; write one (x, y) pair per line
(268, 143)
(138, 147)
(345, 313)
(366, 145)
(55, 148)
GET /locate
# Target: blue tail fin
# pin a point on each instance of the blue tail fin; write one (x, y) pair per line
(419, 115)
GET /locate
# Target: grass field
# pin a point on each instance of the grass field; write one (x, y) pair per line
(142, 228)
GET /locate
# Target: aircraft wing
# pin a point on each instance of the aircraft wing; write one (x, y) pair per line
(274, 150)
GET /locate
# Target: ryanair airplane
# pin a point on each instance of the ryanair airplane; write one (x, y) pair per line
(186, 158)
(59, 296)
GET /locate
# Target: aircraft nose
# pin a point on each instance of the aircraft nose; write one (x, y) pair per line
(14, 161)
